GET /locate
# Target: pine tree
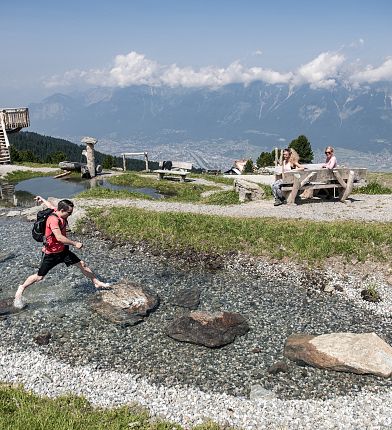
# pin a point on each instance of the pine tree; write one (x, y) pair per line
(303, 148)
(248, 168)
(265, 159)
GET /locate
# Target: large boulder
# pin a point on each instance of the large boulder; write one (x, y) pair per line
(125, 304)
(363, 353)
(211, 329)
(247, 190)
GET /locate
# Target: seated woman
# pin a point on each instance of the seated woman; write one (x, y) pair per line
(290, 162)
(330, 162)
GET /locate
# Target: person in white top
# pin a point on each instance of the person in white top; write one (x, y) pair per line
(290, 162)
(330, 162)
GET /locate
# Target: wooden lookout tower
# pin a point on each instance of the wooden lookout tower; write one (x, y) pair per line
(11, 121)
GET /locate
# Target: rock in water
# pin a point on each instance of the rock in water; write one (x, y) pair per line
(346, 352)
(209, 329)
(126, 303)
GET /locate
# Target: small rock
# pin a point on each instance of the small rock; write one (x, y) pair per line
(279, 366)
(189, 298)
(43, 338)
(258, 392)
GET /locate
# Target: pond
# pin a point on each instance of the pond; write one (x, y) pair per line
(22, 193)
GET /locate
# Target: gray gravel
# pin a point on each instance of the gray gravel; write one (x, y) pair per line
(183, 382)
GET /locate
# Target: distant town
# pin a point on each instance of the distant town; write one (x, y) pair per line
(220, 154)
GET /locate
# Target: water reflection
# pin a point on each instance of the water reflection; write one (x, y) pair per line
(22, 194)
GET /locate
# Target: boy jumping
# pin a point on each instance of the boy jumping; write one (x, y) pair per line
(56, 249)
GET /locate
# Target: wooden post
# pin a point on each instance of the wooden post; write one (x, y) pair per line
(90, 142)
(294, 191)
(146, 160)
(124, 163)
(349, 186)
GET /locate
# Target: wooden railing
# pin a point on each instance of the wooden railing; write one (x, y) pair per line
(16, 118)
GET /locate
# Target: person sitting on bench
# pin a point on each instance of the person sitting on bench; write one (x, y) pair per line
(290, 162)
(330, 162)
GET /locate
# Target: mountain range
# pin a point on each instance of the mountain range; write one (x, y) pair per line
(234, 120)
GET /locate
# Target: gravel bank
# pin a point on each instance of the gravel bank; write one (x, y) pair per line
(185, 383)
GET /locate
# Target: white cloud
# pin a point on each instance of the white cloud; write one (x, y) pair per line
(257, 52)
(320, 72)
(135, 69)
(374, 74)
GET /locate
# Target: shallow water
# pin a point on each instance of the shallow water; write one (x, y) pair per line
(275, 307)
(22, 194)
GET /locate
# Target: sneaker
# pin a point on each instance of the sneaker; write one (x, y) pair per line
(278, 202)
(19, 303)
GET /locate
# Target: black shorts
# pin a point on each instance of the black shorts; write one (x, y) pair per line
(51, 260)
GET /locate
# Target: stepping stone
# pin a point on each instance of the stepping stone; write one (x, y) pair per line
(125, 304)
(361, 353)
(211, 329)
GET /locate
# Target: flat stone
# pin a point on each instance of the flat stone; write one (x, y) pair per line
(363, 353)
(125, 304)
(208, 329)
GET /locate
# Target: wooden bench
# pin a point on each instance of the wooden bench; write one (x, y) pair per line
(179, 168)
(340, 179)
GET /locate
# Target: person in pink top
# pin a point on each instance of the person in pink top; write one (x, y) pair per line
(56, 249)
(330, 162)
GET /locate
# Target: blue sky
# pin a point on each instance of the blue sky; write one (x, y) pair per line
(58, 46)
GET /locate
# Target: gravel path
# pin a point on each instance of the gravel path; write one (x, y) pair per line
(359, 207)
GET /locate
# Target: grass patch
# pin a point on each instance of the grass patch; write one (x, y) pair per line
(373, 187)
(22, 175)
(300, 240)
(222, 198)
(214, 178)
(173, 190)
(27, 164)
(104, 193)
(21, 410)
(384, 179)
